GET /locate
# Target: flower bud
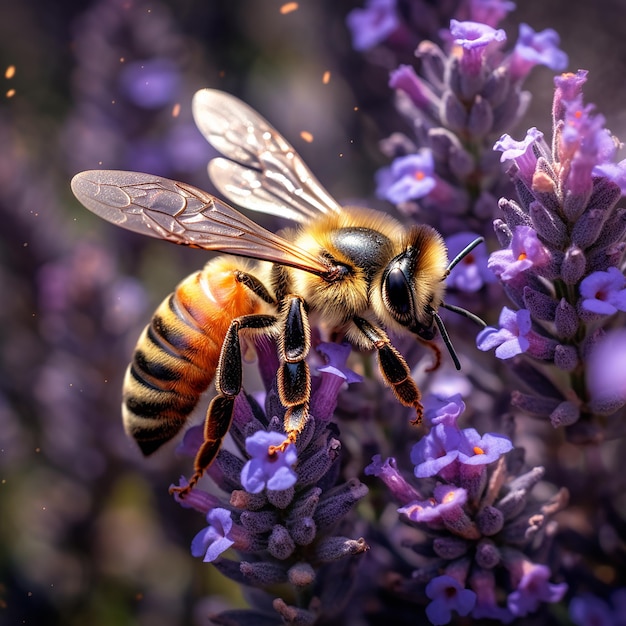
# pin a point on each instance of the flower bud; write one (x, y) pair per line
(301, 575)
(566, 414)
(573, 265)
(280, 543)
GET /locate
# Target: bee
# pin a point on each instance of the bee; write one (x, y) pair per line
(355, 270)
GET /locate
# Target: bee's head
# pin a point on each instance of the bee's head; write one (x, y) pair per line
(411, 285)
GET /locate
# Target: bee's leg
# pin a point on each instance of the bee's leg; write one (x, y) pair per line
(228, 383)
(294, 378)
(393, 367)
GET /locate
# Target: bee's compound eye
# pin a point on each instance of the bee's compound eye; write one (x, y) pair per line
(397, 291)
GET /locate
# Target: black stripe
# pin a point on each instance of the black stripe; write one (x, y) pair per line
(142, 407)
(154, 368)
(166, 337)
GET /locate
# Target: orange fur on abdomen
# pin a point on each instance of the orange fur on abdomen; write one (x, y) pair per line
(177, 354)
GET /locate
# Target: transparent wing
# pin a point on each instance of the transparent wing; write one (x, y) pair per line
(180, 213)
(261, 171)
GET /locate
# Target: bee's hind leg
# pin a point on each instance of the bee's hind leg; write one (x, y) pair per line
(228, 381)
(393, 367)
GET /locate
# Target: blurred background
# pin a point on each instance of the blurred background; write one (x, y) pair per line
(88, 532)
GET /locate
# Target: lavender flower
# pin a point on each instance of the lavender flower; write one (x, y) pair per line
(524, 251)
(534, 48)
(447, 595)
(408, 178)
(472, 273)
(373, 24)
(590, 609)
(281, 509)
(213, 540)
(482, 522)
(606, 378)
(563, 246)
(478, 41)
(604, 292)
(274, 469)
(533, 588)
(511, 338)
(468, 93)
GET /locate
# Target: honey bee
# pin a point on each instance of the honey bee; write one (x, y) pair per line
(356, 270)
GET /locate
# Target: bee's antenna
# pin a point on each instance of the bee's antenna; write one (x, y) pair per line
(461, 255)
(446, 339)
(464, 313)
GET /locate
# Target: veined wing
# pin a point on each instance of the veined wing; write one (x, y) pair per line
(177, 212)
(261, 171)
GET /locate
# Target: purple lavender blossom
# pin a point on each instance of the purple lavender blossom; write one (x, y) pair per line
(604, 292)
(388, 472)
(615, 172)
(447, 595)
(439, 409)
(536, 48)
(482, 449)
(490, 12)
(406, 80)
(511, 338)
(606, 379)
(477, 40)
(150, 84)
(373, 24)
(213, 540)
(408, 178)
(588, 609)
(337, 355)
(437, 451)
(534, 588)
(447, 502)
(472, 273)
(265, 469)
(522, 152)
(525, 251)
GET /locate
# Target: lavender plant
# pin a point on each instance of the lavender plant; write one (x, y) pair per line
(474, 530)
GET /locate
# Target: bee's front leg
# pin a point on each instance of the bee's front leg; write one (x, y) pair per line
(228, 381)
(294, 378)
(393, 367)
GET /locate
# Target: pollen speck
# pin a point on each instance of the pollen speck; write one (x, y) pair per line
(522, 256)
(9, 72)
(307, 136)
(326, 77)
(478, 450)
(176, 110)
(288, 7)
(10, 93)
(419, 175)
(449, 497)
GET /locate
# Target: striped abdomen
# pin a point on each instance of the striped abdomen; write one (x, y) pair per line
(177, 354)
